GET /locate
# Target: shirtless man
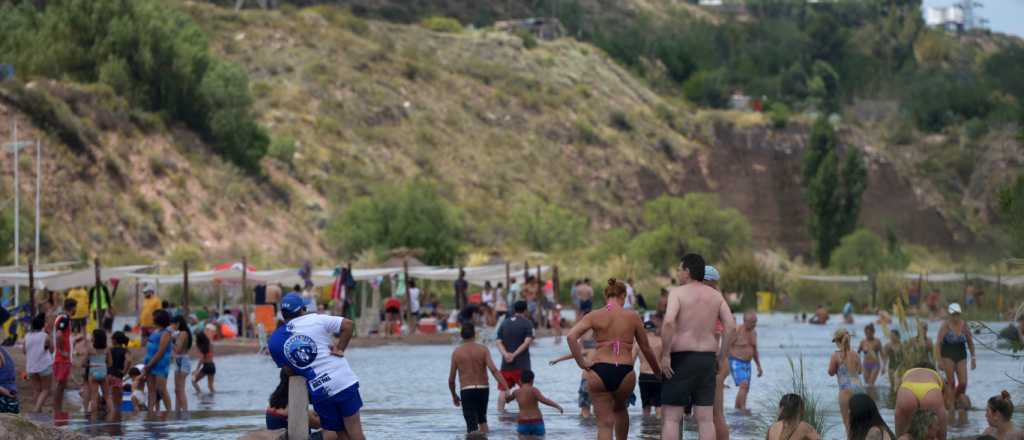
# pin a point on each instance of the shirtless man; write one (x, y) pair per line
(743, 349)
(472, 361)
(530, 422)
(711, 278)
(689, 350)
(585, 295)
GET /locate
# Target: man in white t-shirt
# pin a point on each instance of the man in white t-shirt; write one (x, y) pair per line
(305, 346)
(414, 299)
(630, 295)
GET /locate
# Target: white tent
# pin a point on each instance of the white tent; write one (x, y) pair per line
(53, 280)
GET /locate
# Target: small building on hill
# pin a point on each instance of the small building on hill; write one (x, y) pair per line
(547, 28)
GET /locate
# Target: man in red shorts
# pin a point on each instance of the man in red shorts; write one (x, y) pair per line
(62, 353)
(514, 338)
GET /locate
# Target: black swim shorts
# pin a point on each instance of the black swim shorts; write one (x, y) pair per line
(693, 379)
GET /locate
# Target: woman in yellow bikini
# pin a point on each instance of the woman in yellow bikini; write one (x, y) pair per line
(920, 389)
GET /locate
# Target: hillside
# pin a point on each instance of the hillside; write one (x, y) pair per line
(488, 120)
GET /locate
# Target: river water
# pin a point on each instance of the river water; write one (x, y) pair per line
(405, 391)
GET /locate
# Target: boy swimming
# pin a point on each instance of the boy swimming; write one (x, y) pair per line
(531, 422)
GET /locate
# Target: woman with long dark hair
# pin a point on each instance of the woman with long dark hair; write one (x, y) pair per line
(866, 421)
(206, 368)
(610, 377)
(790, 424)
(182, 363)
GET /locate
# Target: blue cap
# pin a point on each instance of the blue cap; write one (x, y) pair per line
(711, 274)
(292, 303)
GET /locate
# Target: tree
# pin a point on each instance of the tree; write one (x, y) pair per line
(694, 223)
(833, 194)
(414, 216)
(546, 226)
(865, 253)
(1011, 210)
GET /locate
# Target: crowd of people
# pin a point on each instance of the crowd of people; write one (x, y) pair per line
(686, 349)
(60, 348)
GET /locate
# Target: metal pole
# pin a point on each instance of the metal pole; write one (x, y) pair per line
(31, 289)
(39, 161)
(17, 211)
(245, 298)
(184, 287)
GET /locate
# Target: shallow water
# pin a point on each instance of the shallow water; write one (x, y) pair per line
(405, 391)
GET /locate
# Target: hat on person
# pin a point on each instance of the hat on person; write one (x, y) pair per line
(711, 274)
(649, 325)
(148, 288)
(839, 333)
(292, 303)
(954, 308)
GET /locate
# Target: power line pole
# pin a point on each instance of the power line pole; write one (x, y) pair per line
(17, 145)
(39, 167)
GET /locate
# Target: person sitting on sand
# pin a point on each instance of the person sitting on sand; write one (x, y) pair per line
(471, 362)
(530, 423)
(138, 388)
(999, 415)
(277, 408)
(790, 424)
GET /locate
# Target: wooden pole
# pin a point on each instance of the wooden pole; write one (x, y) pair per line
(508, 279)
(96, 265)
(136, 297)
(405, 286)
(31, 290)
(245, 299)
(554, 282)
(963, 295)
(298, 409)
(184, 287)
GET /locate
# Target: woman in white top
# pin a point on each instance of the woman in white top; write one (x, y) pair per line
(39, 360)
(487, 297)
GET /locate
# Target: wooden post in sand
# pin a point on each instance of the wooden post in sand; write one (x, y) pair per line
(554, 283)
(184, 286)
(31, 289)
(136, 297)
(508, 279)
(245, 301)
(298, 409)
(99, 286)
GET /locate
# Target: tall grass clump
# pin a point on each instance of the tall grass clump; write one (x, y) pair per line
(814, 411)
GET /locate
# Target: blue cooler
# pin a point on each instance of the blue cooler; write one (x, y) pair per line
(126, 402)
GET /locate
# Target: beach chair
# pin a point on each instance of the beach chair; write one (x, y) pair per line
(261, 333)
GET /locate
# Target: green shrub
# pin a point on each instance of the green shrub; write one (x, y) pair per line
(743, 273)
(49, 113)
(587, 134)
(414, 216)
(707, 89)
(779, 114)
(283, 149)
(529, 40)
(696, 223)
(620, 121)
(545, 226)
(149, 52)
(442, 24)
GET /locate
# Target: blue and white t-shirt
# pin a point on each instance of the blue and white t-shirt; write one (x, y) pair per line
(304, 344)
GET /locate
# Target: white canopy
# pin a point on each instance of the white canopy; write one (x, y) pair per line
(66, 280)
(948, 277)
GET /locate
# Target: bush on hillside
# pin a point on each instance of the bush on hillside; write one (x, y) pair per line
(545, 226)
(148, 52)
(674, 226)
(937, 99)
(414, 216)
(865, 253)
(779, 114)
(707, 89)
(283, 149)
(442, 24)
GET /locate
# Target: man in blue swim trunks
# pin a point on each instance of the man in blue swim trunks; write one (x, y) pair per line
(305, 346)
(743, 349)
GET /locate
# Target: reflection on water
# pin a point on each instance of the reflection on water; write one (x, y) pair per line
(405, 392)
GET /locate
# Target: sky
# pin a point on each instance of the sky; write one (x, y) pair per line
(1006, 16)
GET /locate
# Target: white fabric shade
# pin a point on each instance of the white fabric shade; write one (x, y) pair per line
(948, 277)
(66, 280)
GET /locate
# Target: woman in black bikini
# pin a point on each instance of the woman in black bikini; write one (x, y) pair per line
(610, 377)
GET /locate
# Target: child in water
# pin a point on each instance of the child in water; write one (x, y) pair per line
(138, 388)
(531, 422)
(97, 371)
(584, 393)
